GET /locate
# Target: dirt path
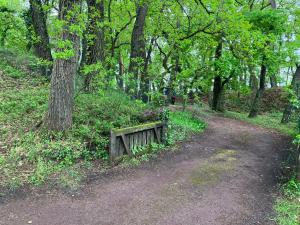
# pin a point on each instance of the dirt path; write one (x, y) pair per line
(226, 176)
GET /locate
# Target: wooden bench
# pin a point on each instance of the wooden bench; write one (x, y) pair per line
(123, 141)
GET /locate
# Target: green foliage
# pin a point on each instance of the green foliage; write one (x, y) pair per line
(183, 124)
(292, 189)
(12, 27)
(267, 120)
(288, 207)
(31, 154)
(11, 71)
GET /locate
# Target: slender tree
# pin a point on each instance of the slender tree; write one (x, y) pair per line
(273, 78)
(218, 87)
(259, 93)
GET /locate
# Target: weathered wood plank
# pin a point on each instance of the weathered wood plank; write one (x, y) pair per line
(128, 151)
(157, 135)
(125, 140)
(137, 129)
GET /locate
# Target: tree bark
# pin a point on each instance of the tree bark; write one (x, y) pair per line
(173, 75)
(120, 75)
(256, 101)
(287, 114)
(273, 81)
(96, 46)
(273, 4)
(38, 18)
(253, 83)
(138, 46)
(59, 117)
(217, 101)
(145, 80)
(273, 78)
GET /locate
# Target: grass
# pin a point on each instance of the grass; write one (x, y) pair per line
(267, 120)
(288, 206)
(34, 156)
(31, 155)
(182, 125)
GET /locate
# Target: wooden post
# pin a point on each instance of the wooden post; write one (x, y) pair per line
(112, 147)
(165, 132)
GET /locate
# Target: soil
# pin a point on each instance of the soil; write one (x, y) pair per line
(226, 176)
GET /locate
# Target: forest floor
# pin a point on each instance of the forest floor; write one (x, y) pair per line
(226, 176)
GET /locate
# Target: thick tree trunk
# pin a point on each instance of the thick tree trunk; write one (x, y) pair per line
(138, 46)
(218, 95)
(217, 101)
(96, 46)
(287, 114)
(256, 101)
(38, 18)
(59, 117)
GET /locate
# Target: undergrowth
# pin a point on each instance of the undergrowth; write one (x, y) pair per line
(267, 120)
(288, 206)
(31, 155)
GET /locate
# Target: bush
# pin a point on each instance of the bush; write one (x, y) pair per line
(274, 100)
(183, 124)
(31, 155)
(288, 207)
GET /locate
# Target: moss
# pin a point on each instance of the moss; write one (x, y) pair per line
(210, 171)
(136, 128)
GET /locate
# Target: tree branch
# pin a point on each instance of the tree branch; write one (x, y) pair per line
(204, 7)
(203, 30)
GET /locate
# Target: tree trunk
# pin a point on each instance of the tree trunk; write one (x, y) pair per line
(59, 117)
(38, 18)
(145, 80)
(120, 75)
(273, 81)
(273, 78)
(218, 95)
(273, 4)
(173, 74)
(253, 83)
(256, 101)
(287, 114)
(138, 49)
(217, 101)
(95, 47)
